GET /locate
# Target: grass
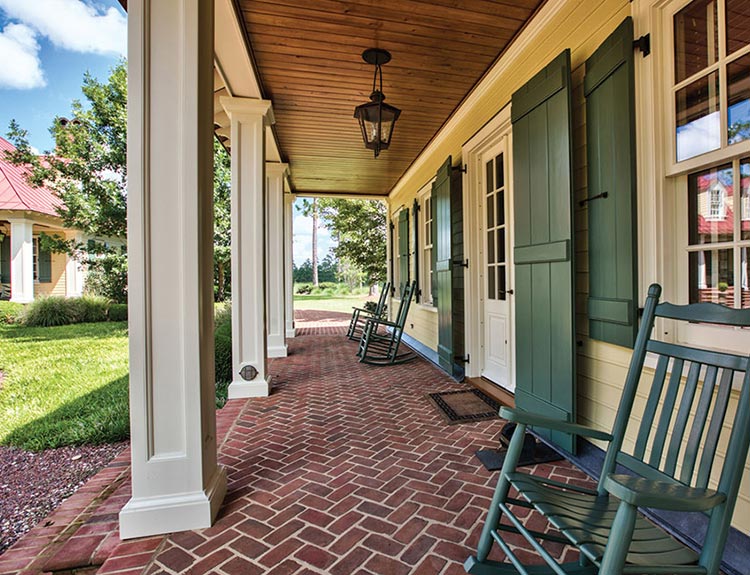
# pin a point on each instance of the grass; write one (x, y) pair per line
(329, 302)
(65, 385)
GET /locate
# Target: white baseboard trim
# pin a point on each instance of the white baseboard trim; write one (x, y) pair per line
(146, 516)
(256, 388)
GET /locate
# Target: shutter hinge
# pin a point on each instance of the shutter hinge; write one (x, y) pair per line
(463, 264)
(643, 44)
(461, 169)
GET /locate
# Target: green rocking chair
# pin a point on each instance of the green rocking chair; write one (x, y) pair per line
(361, 315)
(381, 339)
(679, 427)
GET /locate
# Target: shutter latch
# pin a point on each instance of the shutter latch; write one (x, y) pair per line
(643, 44)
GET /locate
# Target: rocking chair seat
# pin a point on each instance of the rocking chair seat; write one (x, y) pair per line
(585, 519)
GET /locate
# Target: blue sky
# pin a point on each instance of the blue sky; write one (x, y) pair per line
(46, 46)
(302, 249)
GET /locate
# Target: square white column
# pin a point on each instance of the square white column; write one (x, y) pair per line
(288, 261)
(276, 310)
(74, 272)
(21, 260)
(249, 118)
(177, 484)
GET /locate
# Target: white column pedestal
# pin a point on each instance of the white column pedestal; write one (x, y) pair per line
(249, 119)
(176, 481)
(21, 261)
(288, 268)
(275, 175)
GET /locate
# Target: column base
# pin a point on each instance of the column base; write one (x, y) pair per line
(144, 516)
(21, 299)
(277, 351)
(258, 387)
(290, 333)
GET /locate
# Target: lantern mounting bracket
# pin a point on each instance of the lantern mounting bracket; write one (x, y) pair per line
(376, 56)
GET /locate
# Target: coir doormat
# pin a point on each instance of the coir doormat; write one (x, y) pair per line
(464, 406)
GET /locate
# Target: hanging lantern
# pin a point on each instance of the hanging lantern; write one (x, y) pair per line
(376, 118)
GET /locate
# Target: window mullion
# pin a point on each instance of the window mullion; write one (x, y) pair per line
(737, 209)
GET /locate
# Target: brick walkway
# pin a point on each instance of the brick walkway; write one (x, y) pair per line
(344, 469)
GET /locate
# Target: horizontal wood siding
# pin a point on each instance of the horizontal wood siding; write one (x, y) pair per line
(57, 285)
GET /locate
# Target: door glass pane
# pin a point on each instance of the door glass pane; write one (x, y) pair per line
(499, 171)
(712, 277)
(710, 205)
(698, 122)
(738, 88)
(696, 38)
(745, 198)
(490, 184)
(738, 24)
(490, 212)
(491, 282)
(501, 283)
(501, 245)
(491, 247)
(500, 199)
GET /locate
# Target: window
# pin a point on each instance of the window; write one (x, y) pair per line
(710, 87)
(719, 234)
(35, 243)
(426, 220)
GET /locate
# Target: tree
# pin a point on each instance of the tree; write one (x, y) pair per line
(222, 221)
(311, 209)
(328, 269)
(88, 172)
(360, 227)
(302, 273)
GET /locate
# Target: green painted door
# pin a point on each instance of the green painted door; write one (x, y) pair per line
(610, 140)
(543, 252)
(441, 245)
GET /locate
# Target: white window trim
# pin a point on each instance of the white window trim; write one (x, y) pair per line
(662, 183)
(425, 263)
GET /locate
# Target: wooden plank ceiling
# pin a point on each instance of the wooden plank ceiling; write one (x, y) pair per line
(309, 59)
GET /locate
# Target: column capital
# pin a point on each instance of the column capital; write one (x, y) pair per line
(277, 169)
(239, 108)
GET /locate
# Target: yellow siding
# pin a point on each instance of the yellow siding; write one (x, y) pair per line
(57, 285)
(601, 367)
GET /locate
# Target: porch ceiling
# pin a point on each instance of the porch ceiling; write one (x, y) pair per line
(308, 57)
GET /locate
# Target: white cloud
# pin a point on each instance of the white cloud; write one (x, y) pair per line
(19, 53)
(72, 24)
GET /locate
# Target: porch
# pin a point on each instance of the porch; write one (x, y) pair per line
(344, 468)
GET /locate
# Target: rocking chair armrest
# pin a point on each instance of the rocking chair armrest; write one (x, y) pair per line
(526, 418)
(642, 492)
(382, 322)
(363, 310)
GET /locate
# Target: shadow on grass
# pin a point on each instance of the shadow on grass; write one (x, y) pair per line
(100, 416)
(22, 333)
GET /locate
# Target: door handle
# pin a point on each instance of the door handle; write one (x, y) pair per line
(507, 291)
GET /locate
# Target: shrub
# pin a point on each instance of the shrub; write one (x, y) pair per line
(327, 286)
(118, 312)
(108, 277)
(90, 308)
(304, 289)
(10, 312)
(223, 353)
(50, 311)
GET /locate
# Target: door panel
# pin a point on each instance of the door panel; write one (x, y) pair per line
(543, 248)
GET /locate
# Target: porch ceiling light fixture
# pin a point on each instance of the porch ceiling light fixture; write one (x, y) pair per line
(376, 118)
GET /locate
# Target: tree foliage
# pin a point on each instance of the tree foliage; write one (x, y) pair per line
(359, 226)
(222, 222)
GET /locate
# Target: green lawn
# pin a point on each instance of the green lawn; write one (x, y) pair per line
(63, 385)
(342, 303)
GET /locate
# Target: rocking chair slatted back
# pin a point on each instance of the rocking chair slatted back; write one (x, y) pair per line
(361, 315)
(383, 348)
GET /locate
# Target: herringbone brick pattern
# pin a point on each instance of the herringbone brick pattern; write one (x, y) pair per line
(318, 322)
(346, 469)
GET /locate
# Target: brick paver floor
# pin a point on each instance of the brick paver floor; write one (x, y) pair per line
(345, 469)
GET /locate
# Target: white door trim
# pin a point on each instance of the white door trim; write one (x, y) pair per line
(490, 135)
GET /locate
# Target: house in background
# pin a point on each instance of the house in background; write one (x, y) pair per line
(26, 271)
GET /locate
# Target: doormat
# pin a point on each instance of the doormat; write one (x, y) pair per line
(464, 406)
(533, 452)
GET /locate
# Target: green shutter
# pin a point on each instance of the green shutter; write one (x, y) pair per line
(5, 260)
(403, 250)
(417, 271)
(544, 269)
(441, 246)
(45, 266)
(457, 275)
(610, 137)
(391, 258)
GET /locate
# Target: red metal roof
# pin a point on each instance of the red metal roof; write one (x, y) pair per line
(16, 193)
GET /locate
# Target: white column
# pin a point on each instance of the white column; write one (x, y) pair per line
(74, 272)
(21, 261)
(177, 484)
(288, 259)
(275, 175)
(249, 119)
